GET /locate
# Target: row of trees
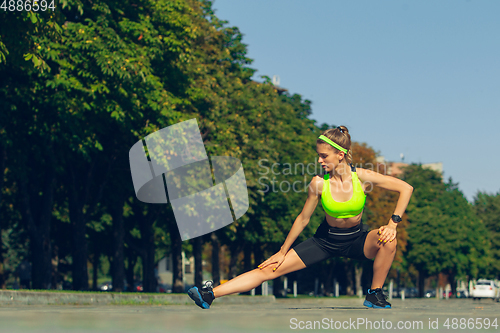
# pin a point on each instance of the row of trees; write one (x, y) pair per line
(79, 86)
(116, 72)
(448, 234)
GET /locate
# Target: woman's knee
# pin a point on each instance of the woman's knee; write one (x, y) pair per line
(385, 247)
(390, 246)
(267, 273)
(291, 263)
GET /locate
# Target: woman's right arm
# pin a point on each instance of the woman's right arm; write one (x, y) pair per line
(314, 193)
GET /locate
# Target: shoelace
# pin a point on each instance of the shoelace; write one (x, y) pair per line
(381, 292)
(208, 285)
(384, 296)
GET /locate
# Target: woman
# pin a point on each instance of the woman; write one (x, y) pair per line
(342, 233)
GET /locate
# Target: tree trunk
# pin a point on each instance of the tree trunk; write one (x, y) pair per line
(453, 283)
(118, 267)
(329, 279)
(78, 198)
(149, 281)
(235, 251)
(42, 265)
(2, 274)
(3, 161)
(55, 267)
(95, 270)
(80, 273)
(398, 282)
(278, 290)
(129, 271)
(176, 243)
(247, 257)
(350, 280)
(358, 273)
(37, 215)
(147, 244)
(76, 214)
(198, 261)
(215, 259)
(421, 283)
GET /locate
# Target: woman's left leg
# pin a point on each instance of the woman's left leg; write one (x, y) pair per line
(384, 255)
(251, 279)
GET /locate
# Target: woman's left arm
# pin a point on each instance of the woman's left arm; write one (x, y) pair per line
(388, 232)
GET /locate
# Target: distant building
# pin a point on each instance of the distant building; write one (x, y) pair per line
(438, 166)
(276, 84)
(396, 168)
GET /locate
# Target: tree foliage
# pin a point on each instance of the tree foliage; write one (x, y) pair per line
(444, 234)
(487, 209)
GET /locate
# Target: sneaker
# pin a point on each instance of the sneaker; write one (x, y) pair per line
(376, 299)
(203, 297)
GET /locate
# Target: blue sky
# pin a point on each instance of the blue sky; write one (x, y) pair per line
(420, 78)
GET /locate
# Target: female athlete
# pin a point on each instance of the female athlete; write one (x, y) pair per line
(342, 233)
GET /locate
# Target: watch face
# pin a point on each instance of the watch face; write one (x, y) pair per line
(396, 218)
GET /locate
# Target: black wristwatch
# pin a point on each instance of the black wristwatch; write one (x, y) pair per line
(396, 218)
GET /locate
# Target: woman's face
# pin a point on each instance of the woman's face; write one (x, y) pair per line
(327, 157)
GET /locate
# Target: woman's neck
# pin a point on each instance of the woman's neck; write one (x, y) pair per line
(341, 171)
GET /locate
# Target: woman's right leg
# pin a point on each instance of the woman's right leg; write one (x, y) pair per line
(249, 280)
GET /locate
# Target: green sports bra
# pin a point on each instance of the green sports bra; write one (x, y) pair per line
(346, 209)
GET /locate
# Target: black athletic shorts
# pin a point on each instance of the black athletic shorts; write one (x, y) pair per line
(331, 241)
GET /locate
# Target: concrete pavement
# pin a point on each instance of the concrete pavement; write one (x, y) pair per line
(282, 315)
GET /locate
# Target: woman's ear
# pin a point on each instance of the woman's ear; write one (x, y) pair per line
(341, 156)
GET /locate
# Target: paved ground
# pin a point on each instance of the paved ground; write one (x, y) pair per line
(283, 315)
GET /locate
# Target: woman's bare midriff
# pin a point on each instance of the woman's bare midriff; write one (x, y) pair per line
(343, 223)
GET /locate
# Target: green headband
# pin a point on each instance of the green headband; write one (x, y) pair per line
(324, 138)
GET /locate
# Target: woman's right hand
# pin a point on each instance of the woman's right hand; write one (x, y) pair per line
(276, 258)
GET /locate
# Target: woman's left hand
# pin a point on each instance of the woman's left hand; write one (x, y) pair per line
(387, 233)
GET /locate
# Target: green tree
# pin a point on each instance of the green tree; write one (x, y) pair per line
(97, 97)
(487, 208)
(445, 236)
